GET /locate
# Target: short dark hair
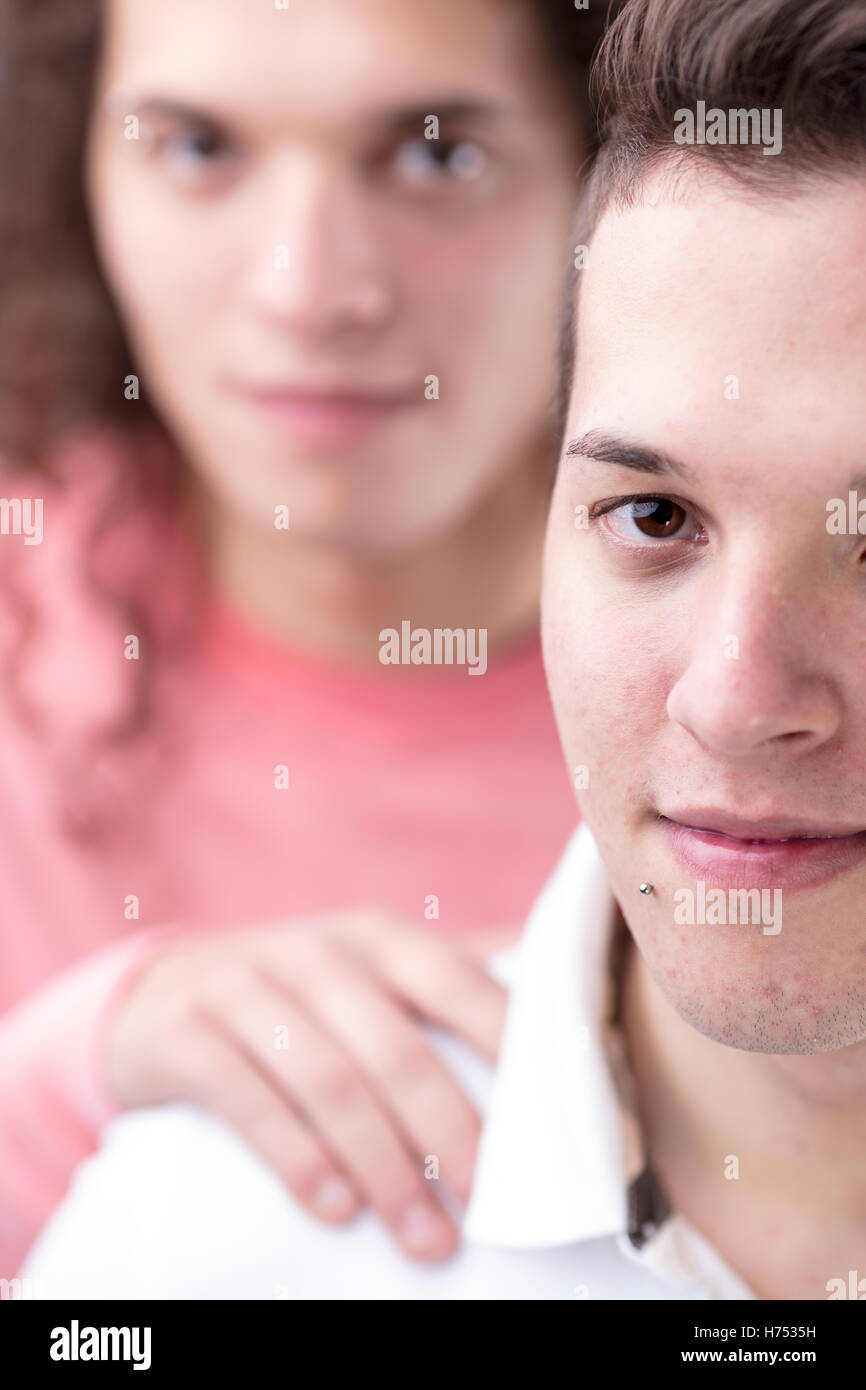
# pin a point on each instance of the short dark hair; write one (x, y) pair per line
(806, 58)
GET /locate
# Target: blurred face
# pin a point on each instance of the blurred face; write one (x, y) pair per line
(705, 631)
(329, 309)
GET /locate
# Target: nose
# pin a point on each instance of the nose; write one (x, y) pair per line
(757, 676)
(321, 270)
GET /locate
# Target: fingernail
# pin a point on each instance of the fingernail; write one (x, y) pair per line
(421, 1227)
(333, 1197)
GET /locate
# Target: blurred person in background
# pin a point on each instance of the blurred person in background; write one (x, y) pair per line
(280, 298)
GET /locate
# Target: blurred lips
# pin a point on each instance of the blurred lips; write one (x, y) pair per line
(327, 415)
(726, 851)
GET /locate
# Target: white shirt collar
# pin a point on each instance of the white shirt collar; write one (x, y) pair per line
(552, 1163)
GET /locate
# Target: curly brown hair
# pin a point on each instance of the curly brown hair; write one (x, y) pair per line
(62, 346)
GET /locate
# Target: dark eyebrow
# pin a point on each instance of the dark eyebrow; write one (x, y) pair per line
(165, 108)
(449, 111)
(407, 118)
(604, 447)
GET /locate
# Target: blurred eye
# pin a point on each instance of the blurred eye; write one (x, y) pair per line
(652, 518)
(193, 155)
(428, 163)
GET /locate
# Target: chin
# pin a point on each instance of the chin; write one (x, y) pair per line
(721, 999)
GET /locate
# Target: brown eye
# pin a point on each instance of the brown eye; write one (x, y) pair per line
(639, 519)
(658, 517)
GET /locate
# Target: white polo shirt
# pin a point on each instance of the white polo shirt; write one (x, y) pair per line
(563, 1206)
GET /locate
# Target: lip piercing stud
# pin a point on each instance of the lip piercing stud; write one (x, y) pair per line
(646, 888)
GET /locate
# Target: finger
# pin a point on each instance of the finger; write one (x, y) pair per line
(339, 1106)
(439, 1122)
(434, 977)
(224, 1080)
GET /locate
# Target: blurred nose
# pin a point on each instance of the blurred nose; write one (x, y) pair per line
(320, 269)
(757, 674)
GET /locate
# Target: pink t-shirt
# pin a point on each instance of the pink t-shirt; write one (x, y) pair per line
(288, 785)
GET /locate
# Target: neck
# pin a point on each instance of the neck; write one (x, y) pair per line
(483, 572)
(796, 1124)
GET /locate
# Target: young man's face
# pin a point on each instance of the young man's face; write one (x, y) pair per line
(707, 656)
(295, 261)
